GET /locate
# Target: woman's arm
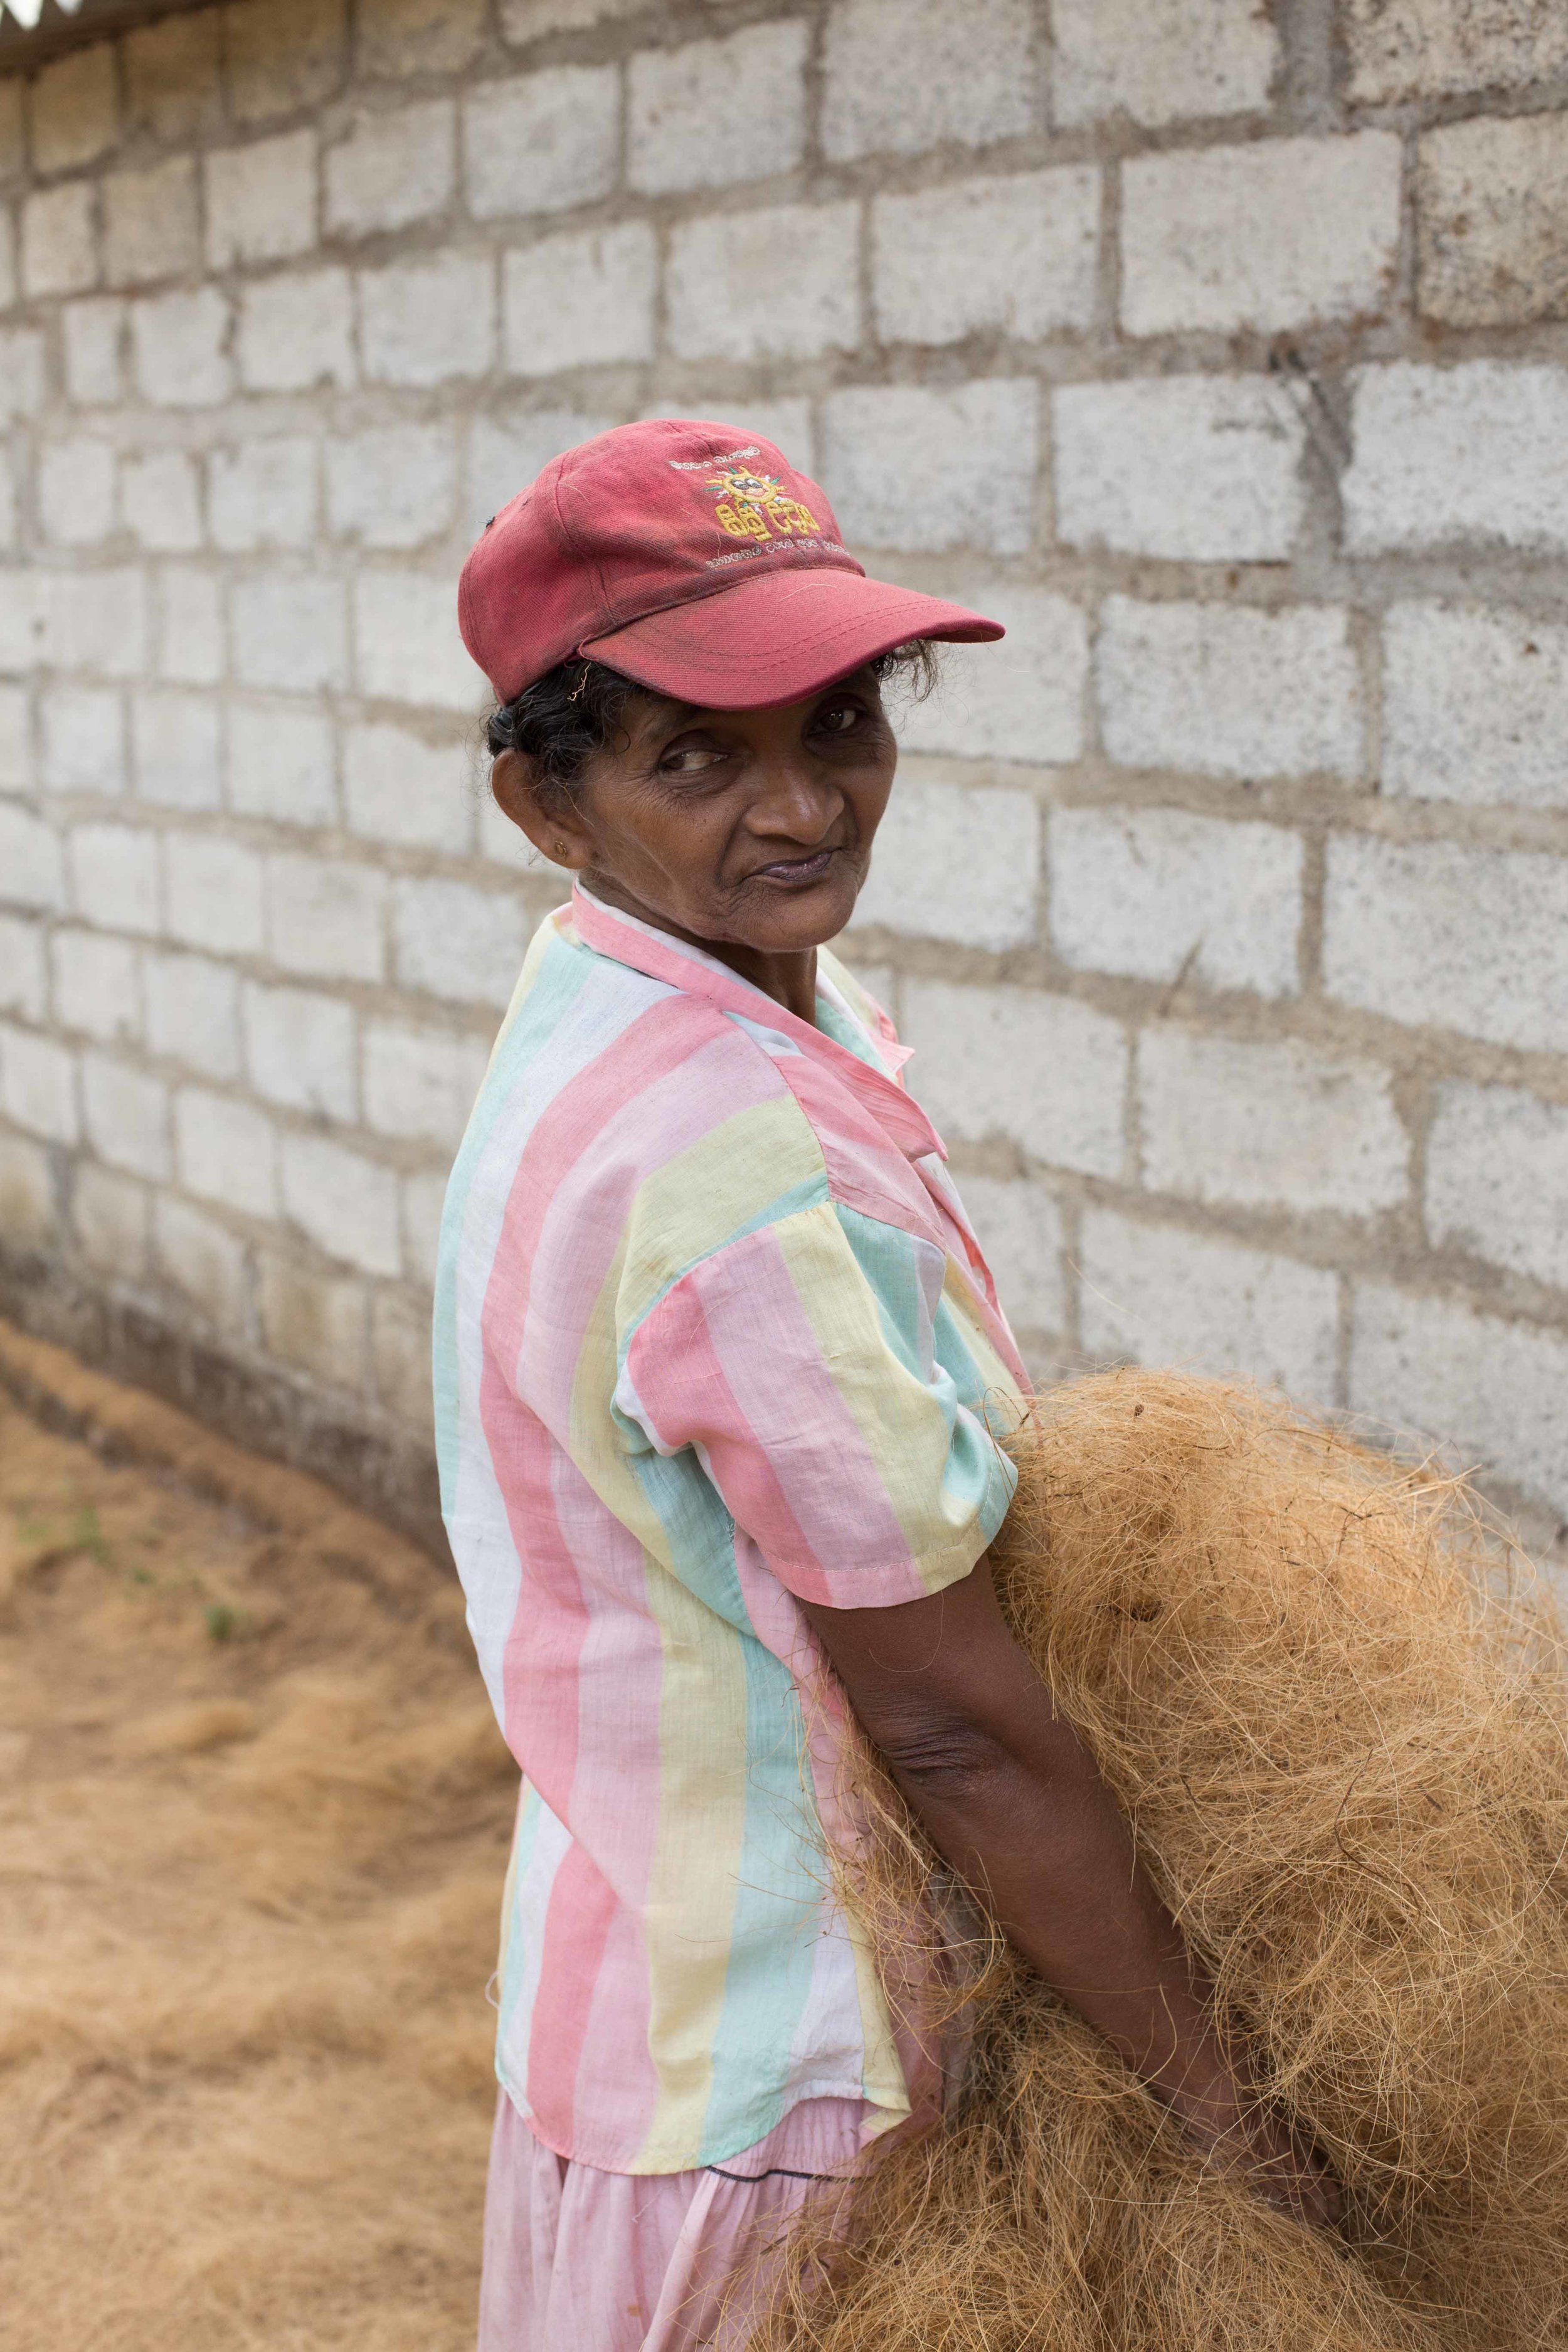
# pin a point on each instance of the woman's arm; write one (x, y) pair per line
(1006, 1793)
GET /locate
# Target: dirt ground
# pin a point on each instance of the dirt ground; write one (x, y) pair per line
(253, 1826)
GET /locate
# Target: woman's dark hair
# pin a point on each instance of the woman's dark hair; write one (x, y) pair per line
(576, 709)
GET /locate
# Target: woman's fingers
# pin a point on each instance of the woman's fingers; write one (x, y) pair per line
(1327, 2196)
(1304, 2185)
(1281, 2165)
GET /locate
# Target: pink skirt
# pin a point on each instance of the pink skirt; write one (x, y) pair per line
(582, 2261)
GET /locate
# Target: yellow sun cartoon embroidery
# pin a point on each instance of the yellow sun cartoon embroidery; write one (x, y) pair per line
(757, 505)
(751, 506)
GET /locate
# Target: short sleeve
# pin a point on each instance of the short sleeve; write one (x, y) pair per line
(800, 1361)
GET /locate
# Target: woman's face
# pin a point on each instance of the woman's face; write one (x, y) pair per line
(751, 828)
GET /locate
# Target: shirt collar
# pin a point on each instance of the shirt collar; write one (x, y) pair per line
(629, 941)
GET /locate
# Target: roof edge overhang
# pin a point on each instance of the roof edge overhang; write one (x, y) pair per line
(32, 31)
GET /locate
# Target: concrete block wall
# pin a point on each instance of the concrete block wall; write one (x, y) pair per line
(1219, 348)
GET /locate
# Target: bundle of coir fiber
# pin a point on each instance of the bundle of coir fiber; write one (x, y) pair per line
(1336, 1719)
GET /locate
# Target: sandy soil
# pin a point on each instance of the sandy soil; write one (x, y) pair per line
(253, 1827)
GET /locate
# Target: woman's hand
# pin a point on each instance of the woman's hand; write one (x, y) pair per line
(1006, 1790)
(1235, 2131)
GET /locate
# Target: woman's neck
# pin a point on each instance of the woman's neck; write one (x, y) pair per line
(789, 979)
(787, 976)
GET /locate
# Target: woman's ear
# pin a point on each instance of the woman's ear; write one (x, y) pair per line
(559, 835)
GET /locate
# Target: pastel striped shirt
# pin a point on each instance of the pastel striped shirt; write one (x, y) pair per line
(713, 1336)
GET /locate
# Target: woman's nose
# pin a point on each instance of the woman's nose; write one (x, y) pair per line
(795, 798)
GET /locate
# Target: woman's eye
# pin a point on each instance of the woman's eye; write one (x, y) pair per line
(840, 720)
(688, 762)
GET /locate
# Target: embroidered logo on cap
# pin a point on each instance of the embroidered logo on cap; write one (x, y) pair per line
(751, 506)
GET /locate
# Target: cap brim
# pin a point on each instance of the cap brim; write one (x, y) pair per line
(778, 638)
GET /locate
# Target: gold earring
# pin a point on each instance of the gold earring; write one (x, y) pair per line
(560, 849)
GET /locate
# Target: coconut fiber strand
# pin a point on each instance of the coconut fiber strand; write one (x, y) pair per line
(1334, 1712)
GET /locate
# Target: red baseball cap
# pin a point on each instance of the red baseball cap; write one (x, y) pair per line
(692, 558)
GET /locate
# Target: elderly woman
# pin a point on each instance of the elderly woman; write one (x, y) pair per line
(719, 1368)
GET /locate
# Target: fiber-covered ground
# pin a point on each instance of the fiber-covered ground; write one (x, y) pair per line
(253, 1825)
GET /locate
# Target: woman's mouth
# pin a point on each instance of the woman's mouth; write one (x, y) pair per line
(796, 871)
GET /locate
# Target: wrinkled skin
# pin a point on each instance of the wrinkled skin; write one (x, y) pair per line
(747, 833)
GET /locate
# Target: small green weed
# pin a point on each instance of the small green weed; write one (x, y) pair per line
(88, 1536)
(224, 1623)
